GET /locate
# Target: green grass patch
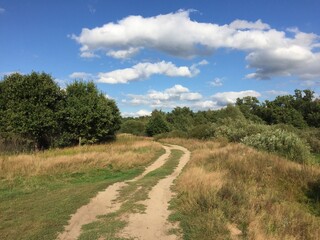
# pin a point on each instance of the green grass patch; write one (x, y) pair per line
(110, 224)
(38, 207)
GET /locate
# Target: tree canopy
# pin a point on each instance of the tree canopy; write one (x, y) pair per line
(34, 107)
(28, 106)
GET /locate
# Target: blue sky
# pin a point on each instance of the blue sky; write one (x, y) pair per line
(163, 54)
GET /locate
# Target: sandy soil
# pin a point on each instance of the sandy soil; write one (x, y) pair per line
(153, 224)
(103, 203)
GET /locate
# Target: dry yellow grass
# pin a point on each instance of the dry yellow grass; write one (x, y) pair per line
(126, 152)
(262, 195)
(198, 180)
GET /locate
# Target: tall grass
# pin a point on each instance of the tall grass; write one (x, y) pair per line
(127, 152)
(39, 192)
(231, 191)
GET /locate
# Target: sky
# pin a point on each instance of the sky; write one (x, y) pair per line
(164, 54)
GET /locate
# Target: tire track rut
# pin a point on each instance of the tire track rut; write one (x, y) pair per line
(151, 225)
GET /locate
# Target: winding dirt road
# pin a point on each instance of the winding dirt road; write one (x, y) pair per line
(152, 224)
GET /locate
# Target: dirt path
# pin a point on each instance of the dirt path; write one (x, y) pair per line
(153, 223)
(103, 203)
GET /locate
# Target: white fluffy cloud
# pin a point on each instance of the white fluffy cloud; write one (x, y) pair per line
(142, 71)
(180, 96)
(139, 113)
(224, 98)
(242, 24)
(175, 96)
(270, 52)
(123, 54)
(177, 92)
(207, 104)
(81, 75)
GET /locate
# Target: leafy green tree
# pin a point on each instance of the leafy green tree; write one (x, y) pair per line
(157, 124)
(282, 110)
(230, 112)
(133, 126)
(200, 118)
(181, 118)
(249, 106)
(28, 107)
(88, 115)
(308, 106)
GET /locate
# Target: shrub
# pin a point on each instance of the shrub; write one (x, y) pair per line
(235, 130)
(14, 143)
(134, 127)
(172, 134)
(314, 143)
(203, 131)
(157, 124)
(312, 137)
(279, 141)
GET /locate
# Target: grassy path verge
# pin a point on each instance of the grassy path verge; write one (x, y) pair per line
(132, 197)
(230, 191)
(39, 192)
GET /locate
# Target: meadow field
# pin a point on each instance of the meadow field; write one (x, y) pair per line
(226, 191)
(40, 191)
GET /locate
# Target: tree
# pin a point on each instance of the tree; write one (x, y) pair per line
(133, 126)
(181, 118)
(249, 106)
(28, 106)
(157, 124)
(282, 110)
(88, 115)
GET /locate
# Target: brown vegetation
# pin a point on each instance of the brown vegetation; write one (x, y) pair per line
(261, 195)
(127, 152)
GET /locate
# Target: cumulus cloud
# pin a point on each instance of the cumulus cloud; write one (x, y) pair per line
(123, 54)
(180, 96)
(269, 51)
(142, 71)
(139, 113)
(81, 75)
(175, 96)
(207, 104)
(224, 98)
(242, 24)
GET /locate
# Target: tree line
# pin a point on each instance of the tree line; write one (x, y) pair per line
(36, 113)
(301, 110)
(288, 125)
